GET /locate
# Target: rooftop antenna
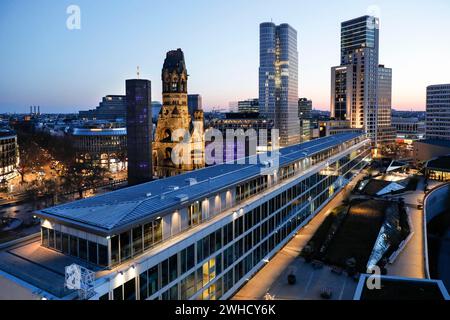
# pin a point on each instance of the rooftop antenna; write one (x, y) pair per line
(138, 72)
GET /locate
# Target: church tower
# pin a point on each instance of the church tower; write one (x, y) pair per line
(179, 138)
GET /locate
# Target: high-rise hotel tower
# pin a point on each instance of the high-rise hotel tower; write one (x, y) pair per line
(360, 87)
(278, 79)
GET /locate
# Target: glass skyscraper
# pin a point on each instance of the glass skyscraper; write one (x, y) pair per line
(278, 79)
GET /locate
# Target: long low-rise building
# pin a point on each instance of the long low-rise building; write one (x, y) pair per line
(202, 234)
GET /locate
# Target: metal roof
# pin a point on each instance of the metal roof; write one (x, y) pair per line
(100, 132)
(117, 209)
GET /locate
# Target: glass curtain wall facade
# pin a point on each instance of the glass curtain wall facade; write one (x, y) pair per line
(355, 92)
(278, 80)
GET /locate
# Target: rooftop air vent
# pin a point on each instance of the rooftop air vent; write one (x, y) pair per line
(173, 188)
(182, 197)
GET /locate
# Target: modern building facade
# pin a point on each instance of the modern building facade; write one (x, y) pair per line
(102, 147)
(195, 103)
(244, 123)
(202, 234)
(170, 156)
(409, 128)
(278, 79)
(111, 108)
(9, 154)
(305, 108)
(248, 106)
(305, 116)
(428, 149)
(139, 131)
(385, 131)
(332, 127)
(156, 109)
(438, 112)
(360, 87)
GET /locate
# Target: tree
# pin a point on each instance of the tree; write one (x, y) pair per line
(29, 154)
(74, 178)
(81, 175)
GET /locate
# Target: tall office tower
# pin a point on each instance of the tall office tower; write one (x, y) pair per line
(278, 79)
(438, 112)
(173, 118)
(248, 106)
(111, 108)
(194, 103)
(304, 114)
(354, 84)
(139, 131)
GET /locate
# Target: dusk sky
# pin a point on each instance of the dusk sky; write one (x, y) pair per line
(44, 63)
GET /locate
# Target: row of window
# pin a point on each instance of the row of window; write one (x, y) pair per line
(134, 242)
(83, 249)
(248, 232)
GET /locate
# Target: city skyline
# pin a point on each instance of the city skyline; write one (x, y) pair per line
(70, 70)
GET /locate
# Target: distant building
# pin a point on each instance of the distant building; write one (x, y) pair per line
(385, 132)
(333, 127)
(408, 128)
(278, 79)
(9, 154)
(438, 168)
(233, 106)
(111, 108)
(139, 131)
(103, 147)
(194, 103)
(304, 108)
(360, 87)
(248, 106)
(245, 121)
(305, 116)
(428, 149)
(438, 112)
(175, 117)
(156, 109)
(198, 235)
